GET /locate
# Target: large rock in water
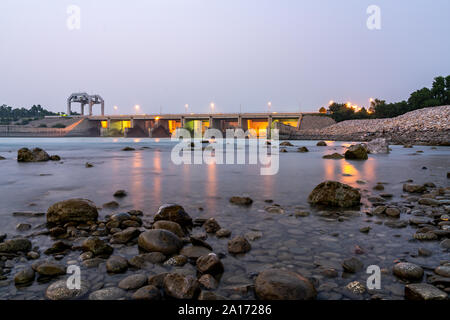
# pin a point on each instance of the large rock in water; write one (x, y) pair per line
(160, 240)
(175, 213)
(356, 152)
(179, 286)
(35, 155)
(73, 210)
(379, 145)
(15, 245)
(276, 284)
(335, 194)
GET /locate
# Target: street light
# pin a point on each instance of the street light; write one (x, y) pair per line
(212, 106)
(330, 102)
(269, 105)
(137, 107)
(115, 108)
(186, 106)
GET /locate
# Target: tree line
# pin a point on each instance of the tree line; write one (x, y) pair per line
(9, 114)
(438, 95)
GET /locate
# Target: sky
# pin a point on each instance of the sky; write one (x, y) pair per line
(239, 54)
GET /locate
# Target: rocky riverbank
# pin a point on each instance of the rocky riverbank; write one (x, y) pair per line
(428, 126)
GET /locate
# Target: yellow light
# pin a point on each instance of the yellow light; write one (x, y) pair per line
(115, 107)
(157, 118)
(137, 107)
(330, 102)
(348, 104)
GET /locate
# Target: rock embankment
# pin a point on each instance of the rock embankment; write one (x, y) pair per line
(423, 126)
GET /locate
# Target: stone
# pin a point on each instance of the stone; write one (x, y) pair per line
(180, 286)
(210, 264)
(424, 252)
(141, 260)
(177, 261)
(253, 235)
(149, 292)
(274, 209)
(24, 276)
(128, 149)
(175, 213)
(286, 144)
(241, 201)
(365, 229)
(35, 155)
(116, 264)
(223, 233)
(356, 287)
(238, 245)
(334, 194)
(379, 187)
(120, 194)
(277, 284)
(392, 212)
(157, 280)
(73, 210)
(159, 240)
(423, 291)
(59, 291)
(444, 244)
(198, 241)
(356, 152)
(88, 165)
(413, 188)
(55, 157)
(208, 282)
(92, 263)
(170, 226)
(302, 149)
(211, 225)
(335, 156)
(425, 236)
(194, 252)
(321, 144)
(209, 296)
(97, 246)
(378, 145)
(133, 282)
(125, 236)
(58, 247)
(111, 205)
(429, 202)
(443, 271)
(23, 227)
(352, 265)
(111, 293)
(408, 271)
(51, 269)
(15, 245)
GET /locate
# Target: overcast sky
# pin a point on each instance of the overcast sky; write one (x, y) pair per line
(166, 53)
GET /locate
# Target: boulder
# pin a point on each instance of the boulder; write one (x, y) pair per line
(414, 188)
(211, 225)
(408, 271)
(276, 284)
(352, 265)
(238, 245)
(423, 291)
(97, 246)
(116, 264)
(170, 226)
(241, 201)
(175, 213)
(159, 240)
(378, 145)
(147, 293)
(179, 286)
(286, 144)
(335, 194)
(111, 293)
(24, 276)
(141, 260)
(120, 194)
(302, 149)
(194, 252)
(321, 144)
(73, 210)
(35, 155)
(208, 282)
(133, 282)
(356, 152)
(210, 264)
(334, 156)
(124, 236)
(59, 291)
(15, 245)
(51, 269)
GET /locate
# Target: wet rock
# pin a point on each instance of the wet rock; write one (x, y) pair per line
(423, 291)
(116, 264)
(180, 286)
(50, 269)
(424, 252)
(159, 240)
(241, 201)
(211, 225)
(356, 152)
(301, 213)
(356, 287)
(57, 231)
(208, 282)
(35, 155)
(253, 235)
(378, 187)
(88, 165)
(177, 261)
(194, 252)
(425, 236)
(335, 194)
(55, 157)
(92, 263)
(286, 144)
(124, 236)
(302, 149)
(59, 291)
(444, 244)
(147, 293)
(170, 226)
(198, 241)
(157, 280)
(111, 293)
(365, 229)
(335, 156)
(277, 284)
(321, 144)
(97, 246)
(24, 276)
(210, 264)
(429, 202)
(73, 210)
(283, 150)
(111, 205)
(378, 145)
(33, 255)
(2, 237)
(209, 295)
(392, 212)
(23, 227)
(443, 271)
(413, 188)
(223, 233)
(408, 271)
(141, 260)
(352, 265)
(120, 194)
(238, 245)
(15, 245)
(133, 282)
(175, 213)
(128, 149)
(274, 209)
(58, 247)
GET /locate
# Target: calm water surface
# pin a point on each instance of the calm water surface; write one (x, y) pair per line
(151, 179)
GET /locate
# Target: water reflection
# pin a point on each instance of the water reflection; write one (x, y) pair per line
(211, 186)
(157, 177)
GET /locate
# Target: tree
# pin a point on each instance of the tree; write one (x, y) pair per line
(322, 110)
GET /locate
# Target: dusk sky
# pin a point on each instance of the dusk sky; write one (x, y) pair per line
(166, 53)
